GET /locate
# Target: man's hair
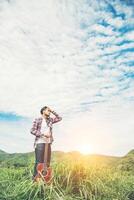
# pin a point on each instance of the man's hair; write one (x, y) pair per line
(42, 109)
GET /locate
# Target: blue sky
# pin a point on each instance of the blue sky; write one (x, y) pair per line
(77, 58)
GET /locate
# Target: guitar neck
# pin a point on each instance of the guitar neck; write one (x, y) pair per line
(45, 155)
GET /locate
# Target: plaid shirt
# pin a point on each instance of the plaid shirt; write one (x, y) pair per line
(36, 127)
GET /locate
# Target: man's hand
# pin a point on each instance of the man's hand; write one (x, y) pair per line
(47, 136)
(44, 135)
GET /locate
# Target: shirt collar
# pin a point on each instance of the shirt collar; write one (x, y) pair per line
(44, 118)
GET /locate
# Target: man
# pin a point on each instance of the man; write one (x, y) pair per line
(42, 129)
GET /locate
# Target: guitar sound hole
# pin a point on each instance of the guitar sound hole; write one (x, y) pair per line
(44, 172)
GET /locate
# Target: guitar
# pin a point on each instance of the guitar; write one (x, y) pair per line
(44, 172)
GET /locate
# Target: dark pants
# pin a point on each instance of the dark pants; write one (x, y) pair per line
(39, 155)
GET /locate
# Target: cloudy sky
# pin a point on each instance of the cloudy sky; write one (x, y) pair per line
(77, 58)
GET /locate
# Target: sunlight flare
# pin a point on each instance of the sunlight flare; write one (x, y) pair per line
(85, 149)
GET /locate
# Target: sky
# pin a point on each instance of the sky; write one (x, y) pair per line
(75, 57)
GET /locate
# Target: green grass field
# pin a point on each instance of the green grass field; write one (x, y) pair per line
(75, 177)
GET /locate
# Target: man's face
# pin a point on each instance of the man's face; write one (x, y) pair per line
(46, 112)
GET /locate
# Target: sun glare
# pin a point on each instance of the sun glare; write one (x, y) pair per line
(85, 149)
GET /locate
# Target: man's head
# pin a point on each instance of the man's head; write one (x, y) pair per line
(45, 111)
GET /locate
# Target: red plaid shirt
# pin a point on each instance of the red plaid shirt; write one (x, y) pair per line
(36, 127)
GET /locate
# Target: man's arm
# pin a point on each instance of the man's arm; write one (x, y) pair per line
(57, 118)
(34, 130)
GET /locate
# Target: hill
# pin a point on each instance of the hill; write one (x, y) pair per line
(127, 162)
(2, 152)
(24, 159)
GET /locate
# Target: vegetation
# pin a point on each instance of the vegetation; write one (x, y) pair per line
(76, 177)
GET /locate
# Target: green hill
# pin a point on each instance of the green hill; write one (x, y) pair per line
(24, 159)
(2, 152)
(127, 162)
(15, 159)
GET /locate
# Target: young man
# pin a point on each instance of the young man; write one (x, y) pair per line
(42, 129)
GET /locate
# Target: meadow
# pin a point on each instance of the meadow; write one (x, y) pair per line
(76, 177)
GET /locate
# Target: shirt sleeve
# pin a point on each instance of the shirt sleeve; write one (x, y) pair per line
(34, 130)
(57, 118)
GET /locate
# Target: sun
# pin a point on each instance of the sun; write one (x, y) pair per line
(85, 149)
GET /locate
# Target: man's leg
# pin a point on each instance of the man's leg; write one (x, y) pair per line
(39, 156)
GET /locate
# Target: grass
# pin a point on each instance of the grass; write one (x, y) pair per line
(73, 180)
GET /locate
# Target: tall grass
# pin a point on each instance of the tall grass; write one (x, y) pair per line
(73, 180)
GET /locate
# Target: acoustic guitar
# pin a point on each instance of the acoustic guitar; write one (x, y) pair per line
(43, 171)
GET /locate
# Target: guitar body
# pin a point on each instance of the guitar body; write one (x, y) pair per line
(46, 175)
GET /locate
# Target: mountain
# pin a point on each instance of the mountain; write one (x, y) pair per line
(2, 152)
(15, 159)
(25, 159)
(127, 162)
